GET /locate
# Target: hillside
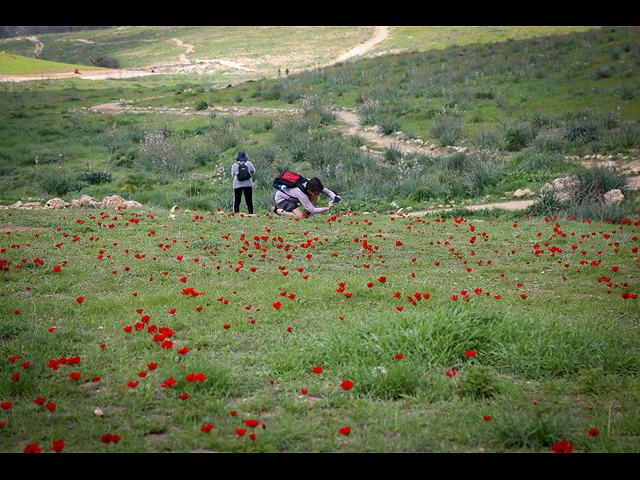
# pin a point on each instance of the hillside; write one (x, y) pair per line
(248, 52)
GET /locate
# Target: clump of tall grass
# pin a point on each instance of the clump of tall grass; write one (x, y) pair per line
(447, 132)
(55, 182)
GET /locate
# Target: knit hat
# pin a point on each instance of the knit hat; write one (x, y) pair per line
(241, 157)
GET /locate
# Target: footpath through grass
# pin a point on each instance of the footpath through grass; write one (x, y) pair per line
(129, 331)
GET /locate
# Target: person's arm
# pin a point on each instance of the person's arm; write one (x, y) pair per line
(306, 203)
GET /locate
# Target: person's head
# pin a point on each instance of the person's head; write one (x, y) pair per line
(242, 157)
(314, 186)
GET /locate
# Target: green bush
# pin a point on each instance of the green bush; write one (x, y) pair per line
(447, 132)
(202, 105)
(55, 182)
(96, 177)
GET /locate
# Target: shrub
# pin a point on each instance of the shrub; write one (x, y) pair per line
(594, 182)
(604, 72)
(95, 177)
(446, 132)
(55, 182)
(388, 124)
(202, 105)
(549, 144)
(104, 61)
(517, 136)
(583, 130)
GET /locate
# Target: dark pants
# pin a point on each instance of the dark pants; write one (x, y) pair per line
(248, 196)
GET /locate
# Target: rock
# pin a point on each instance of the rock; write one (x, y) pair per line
(523, 193)
(172, 216)
(18, 204)
(32, 205)
(86, 201)
(132, 204)
(613, 197)
(175, 209)
(114, 201)
(56, 204)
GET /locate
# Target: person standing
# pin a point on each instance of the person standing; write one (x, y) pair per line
(241, 171)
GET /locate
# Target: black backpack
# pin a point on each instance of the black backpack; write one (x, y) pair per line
(289, 180)
(243, 172)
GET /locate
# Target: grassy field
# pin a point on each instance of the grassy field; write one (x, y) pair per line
(273, 316)
(17, 65)
(353, 331)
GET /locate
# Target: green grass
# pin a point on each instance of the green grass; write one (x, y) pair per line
(536, 348)
(18, 65)
(539, 297)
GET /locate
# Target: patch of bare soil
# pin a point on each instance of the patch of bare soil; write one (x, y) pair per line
(10, 227)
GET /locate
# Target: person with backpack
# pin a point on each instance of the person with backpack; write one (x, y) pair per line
(241, 172)
(295, 190)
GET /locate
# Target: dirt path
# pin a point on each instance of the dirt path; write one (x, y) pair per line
(380, 35)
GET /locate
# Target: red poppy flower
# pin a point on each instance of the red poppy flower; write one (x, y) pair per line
(169, 383)
(400, 308)
(133, 384)
(167, 345)
(345, 431)
(252, 423)
(40, 401)
(152, 366)
(51, 406)
(58, 446)
(15, 377)
(487, 418)
(2, 424)
(6, 405)
(399, 356)
(75, 375)
(199, 309)
(317, 369)
(233, 413)
(184, 396)
(107, 439)
(57, 269)
(304, 391)
(347, 385)
(523, 296)
(172, 311)
(206, 428)
(562, 447)
(451, 373)
(226, 326)
(253, 435)
(33, 448)
(142, 374)
(277, 305)
(241, 431)
(594, 432)
(80, 299)
(471, 353)
(128, 329)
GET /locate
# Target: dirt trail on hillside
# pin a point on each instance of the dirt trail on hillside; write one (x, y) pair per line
(352, 127)
(380, 35)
